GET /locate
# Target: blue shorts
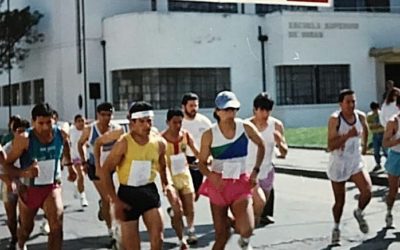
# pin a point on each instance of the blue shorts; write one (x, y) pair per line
(392, 164)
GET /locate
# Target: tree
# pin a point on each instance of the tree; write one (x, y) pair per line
(18, 30)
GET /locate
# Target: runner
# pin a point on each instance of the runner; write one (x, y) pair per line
(195, 123)
(9, 185)
(347, 133)
(39, 151)
(181, 196)
(89, 135)
(391, 138)
(227, 185)
(272, 132)
(75, 134)
(137, 157)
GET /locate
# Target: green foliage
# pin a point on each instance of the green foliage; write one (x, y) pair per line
(18, 30)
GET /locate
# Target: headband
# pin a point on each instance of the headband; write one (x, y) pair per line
(141, 114)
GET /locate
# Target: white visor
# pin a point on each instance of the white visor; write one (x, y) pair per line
(141, 114)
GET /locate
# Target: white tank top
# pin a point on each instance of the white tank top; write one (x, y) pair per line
(397, 136)
(229, 152)
(352, 147)
(269, 140)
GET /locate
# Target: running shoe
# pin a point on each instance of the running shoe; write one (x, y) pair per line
(21, 248)
(389, 220)
(45, 228)
(84, 201)
(244, 244)
(336, 237)
(192, 238)
(362, 223)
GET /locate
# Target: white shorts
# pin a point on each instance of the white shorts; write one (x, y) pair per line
(341, 169)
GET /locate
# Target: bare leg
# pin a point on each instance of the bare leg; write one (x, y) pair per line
(26, 216)
(54, 210)
(244, 216)
(339, 193)
(130, 235)
(221, 226)
(259, 200)
(176, 205)
(363, 183)
(154, 223)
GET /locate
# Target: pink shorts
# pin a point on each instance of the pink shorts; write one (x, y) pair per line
(231, 190)
(35, 196)
(267, 183)
(76, 161)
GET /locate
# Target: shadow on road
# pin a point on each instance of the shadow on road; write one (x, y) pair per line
(379, 241)
(205, 237)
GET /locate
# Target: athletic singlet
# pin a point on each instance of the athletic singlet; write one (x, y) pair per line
(140, 164)
(105, 149)
(269, 140)
(229, 154)
(47, 155)
(176, 155)
(396, 136)
(75, 135)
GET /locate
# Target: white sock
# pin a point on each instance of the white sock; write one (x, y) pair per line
(358, 211)
(83, 195)
(389, 210)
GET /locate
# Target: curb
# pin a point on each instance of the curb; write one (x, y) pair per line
(378, 180)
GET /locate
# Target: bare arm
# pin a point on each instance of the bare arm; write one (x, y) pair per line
(205, 152)
(280, 139)
(113, 160)
(336, 141)
(104, 139)
(162, 164)
(255, 137)
(67, 157)
(390, 131)
(192, 146)
(19, 145)
(82, 143)
(364, 141)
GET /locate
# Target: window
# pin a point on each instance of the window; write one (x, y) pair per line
(311, 84)
(38, 91)
(164, 88)
(269, 8)
(6, 95)
(362, 5)
(178, 5)
(15, 93)
(26, 93)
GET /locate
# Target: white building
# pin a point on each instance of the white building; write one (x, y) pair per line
(153, 52)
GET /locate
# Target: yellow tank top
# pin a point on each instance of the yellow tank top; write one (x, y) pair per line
(174, 148)
(137, 152)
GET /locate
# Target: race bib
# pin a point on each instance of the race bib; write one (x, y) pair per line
(139, 174)
(231, 170)
(178, 163)
(46, 172)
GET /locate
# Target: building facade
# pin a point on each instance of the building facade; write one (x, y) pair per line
(157, 50)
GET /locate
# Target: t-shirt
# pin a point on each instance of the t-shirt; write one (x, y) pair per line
(373, 121)
(196, 128)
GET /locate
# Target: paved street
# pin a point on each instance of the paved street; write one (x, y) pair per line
(302, 213)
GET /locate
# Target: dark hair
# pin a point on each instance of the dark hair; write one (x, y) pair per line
(78, 116)
(262, 101)
(105, 106)
(174, 112)
(20, 123)
(41, 109)
(216, 117)
(189, 97)
(139, 106)
(373, 105)
(13, 118)
(343, 93)
(54, 113)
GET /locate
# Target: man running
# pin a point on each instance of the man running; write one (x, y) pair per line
(137, 157)
(75, 134)
(272, 132)
(195, 123)
(90, 134)
(39, 151)
(181, 196)
(347, 134)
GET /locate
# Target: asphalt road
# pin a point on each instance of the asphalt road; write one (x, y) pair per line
(302, 213)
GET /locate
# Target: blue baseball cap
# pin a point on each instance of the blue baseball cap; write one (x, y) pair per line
(226, 99)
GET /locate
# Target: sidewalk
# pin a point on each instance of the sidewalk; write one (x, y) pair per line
(313, 163)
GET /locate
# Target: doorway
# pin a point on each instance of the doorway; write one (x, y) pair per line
(392, 72)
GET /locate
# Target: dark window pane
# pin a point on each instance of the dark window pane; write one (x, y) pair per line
(38, 91)
(164, 88)
(194, 6)
(311, 84)
(6, 95)
(15, 94)
(26, 93)
(269, 8)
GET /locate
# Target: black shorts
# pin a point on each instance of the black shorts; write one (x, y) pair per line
(91, 171)
(140, 199)
(197, 176)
